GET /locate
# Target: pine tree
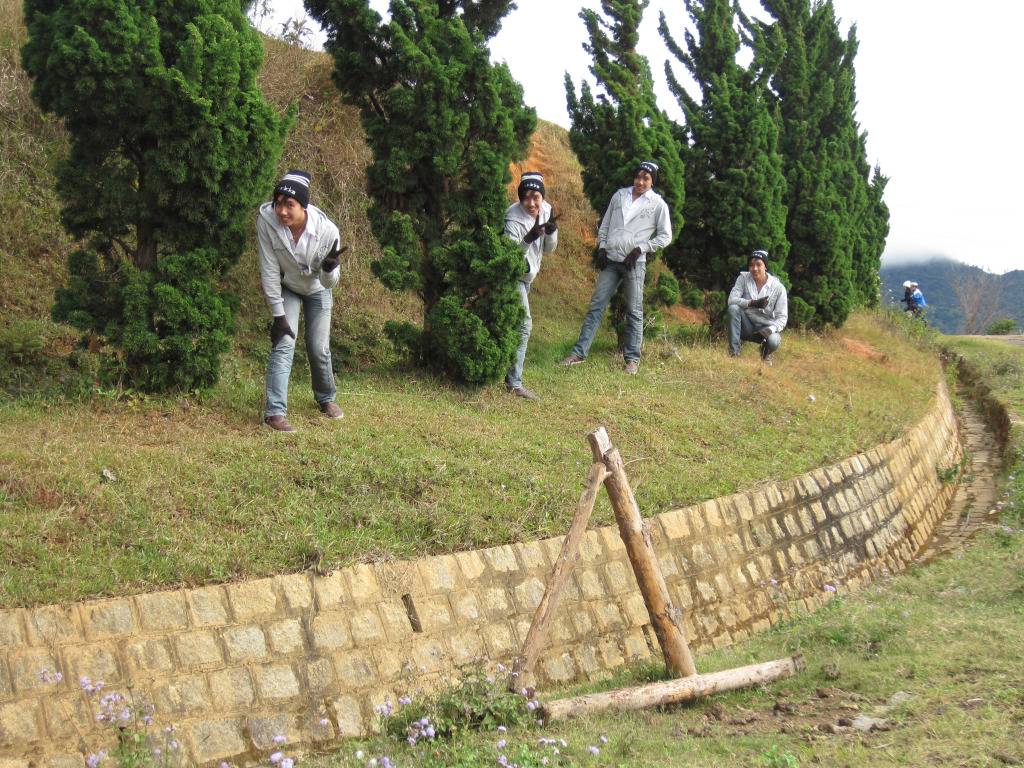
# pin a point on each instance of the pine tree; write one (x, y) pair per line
(172, 147)
(734, 180)
(443, 123)
(613, 132)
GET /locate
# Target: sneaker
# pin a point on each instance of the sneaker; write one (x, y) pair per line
(573, 359)
(331, 410)
(523, 392)
(734, 353)
(766, 354)
(632, 367)
(278, 423)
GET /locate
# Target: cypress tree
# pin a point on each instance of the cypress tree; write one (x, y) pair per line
(734, 180)
(613, 132)
(443, 123)
(172, 147)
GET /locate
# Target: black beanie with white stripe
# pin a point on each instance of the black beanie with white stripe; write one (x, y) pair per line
(294, 184)
(530, 180)
(651, 167)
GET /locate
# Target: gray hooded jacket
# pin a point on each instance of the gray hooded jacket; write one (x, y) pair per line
(279, 267)
(517, 224)
(775, 314)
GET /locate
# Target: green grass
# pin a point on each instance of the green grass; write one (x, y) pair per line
(203, 493)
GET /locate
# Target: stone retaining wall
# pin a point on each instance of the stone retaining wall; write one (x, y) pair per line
(309, 656)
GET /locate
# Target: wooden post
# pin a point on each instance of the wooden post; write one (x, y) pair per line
(674, 691)
(559, 575)
(666, 619)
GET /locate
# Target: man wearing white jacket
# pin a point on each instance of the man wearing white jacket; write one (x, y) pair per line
(299, 266)
(758, 308)
(532, 226)
(635, 224)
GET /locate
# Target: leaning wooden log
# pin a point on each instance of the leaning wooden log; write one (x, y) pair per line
(674, 691)
(567, 558)
(666, 619)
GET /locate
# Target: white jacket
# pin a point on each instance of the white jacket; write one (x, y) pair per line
(277, 264)
(775, 315)
(518, 223)
(626, 225)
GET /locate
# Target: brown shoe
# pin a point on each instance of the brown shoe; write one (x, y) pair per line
(631, 367)
(523, 392)
(573, 360)
(278, 424)
(331, 410)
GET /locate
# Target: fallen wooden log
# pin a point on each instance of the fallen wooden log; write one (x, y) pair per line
(674, 691)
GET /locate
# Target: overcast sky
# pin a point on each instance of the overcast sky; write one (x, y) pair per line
(939, 94)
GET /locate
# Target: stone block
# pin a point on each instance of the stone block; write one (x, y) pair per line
(363, 584)
(296, 592)
(67, 717)
(434, 612)
(320, 677)
(149, 656)
(501, 641)
(635, 646)
(471, 564)
(705, 591)
(612, 541)
(63, 761)
(189, 695)
(725, 588)
(231, 689)
(496, 602)
(587, 661)
(209, 606)
(355, 669)
(331, 591)
(109, 618)
(198, 649)
(466, 647)
(349, 717)
(253, 600)
(591, 550)
(392, 664)
(528, 594)
(674, 524)
(263, 730)
(20, 723)
(559, 668)
(52, 625)
(440, 575)
(244, 643)
(466, 607)
(501, 559)
(97, 662)
(367, 629)
(791, 525)
(6, 684)
(216, 740)
(589, 583)
(610, 654)
(531, 555)
(17, 762)
(607, 616)
(395, 619)
(286, 636)
(429, 655)
(635, 611)
(276, 682)
(161, 611)
(11, 630)
(26, 666)
(619, 577)
(330, 631)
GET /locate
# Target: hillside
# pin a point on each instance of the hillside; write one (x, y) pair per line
(107, 491)
(938, 277)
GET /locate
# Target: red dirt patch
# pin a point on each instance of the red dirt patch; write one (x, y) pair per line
(863, 350)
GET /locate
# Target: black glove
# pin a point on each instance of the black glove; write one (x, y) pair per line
(602, 258)
(280, 329)
(758, 303)
(632, 258)
(333, 258)
(535, 231)
(550, 226)
(766, 331)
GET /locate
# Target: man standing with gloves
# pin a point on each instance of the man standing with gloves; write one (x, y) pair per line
(531, 224)
(299, 250)
(758, 308)
(635, 224)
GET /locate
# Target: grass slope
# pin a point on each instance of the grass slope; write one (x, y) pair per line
(201, 493)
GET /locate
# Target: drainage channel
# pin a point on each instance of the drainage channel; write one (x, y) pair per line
(974, 503)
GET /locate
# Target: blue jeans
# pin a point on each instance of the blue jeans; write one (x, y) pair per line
(317, 308)
(741, 327)
(514, 377)
(608, 282)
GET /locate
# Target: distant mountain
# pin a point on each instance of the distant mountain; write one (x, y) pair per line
(938, 276)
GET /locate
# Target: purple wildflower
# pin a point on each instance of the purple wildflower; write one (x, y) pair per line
(94, 760)
(593, 750)
(277, 757)
(829, 588)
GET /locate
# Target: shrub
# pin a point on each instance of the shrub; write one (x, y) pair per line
(1003, 327)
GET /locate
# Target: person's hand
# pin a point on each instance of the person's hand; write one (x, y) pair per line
(630, 261)
(332, 259)
(602, 258)
(551, 225)
(280, 329)
(535, 231)
(758, 303)
(766, 331)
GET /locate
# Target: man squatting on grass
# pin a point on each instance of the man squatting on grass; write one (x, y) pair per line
(758, 308)
(635, 224)
(530, 224)
(299, 266)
